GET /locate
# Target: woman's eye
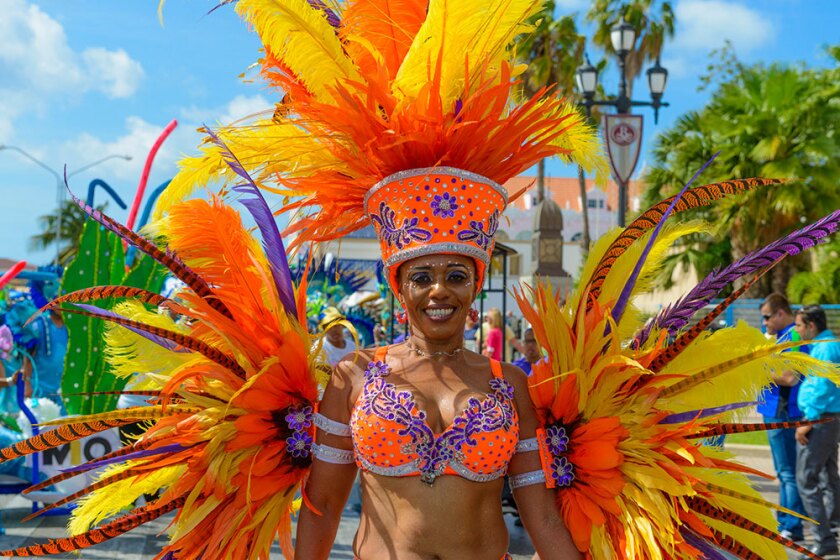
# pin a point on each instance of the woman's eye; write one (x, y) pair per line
(458, 277)
(421, 279)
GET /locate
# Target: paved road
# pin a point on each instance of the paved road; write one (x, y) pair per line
(143, 543)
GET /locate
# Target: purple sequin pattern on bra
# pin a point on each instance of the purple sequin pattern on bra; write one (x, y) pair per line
(489, 414)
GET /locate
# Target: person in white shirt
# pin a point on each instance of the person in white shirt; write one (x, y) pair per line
(336, 342)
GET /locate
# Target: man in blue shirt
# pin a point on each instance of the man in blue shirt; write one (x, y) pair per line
(816, 457)
(530, 350)
(778, 404)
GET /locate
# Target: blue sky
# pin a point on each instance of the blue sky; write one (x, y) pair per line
(86, 79)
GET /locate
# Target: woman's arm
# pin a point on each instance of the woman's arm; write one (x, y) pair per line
(328, 487)
(535, 502)
(513, 341)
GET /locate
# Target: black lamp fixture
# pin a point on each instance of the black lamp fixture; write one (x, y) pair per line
(587, 79)
(657, 80)
(623, 38)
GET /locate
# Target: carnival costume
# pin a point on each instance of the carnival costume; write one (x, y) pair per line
(408, 115)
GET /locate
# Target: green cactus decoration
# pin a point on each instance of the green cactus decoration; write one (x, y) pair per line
(100, 261)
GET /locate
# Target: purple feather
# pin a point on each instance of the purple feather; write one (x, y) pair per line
(332, 17)
(275, 251)
(709, 551)
(172, 448)
(627, 290)
(675, 317)
(105, 314)
(703, 412)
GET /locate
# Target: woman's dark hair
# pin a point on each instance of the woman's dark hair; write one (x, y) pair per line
(814, 314)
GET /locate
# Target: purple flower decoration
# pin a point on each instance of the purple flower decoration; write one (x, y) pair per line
(299, 418)
(562, 471)
(444, 206)
(298, 445)
(377, 369)
(501, 387)
(557, 440)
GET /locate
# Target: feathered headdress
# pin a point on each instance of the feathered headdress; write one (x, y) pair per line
(381, 91)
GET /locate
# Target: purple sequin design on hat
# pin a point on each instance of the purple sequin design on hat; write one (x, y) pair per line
(398, 236)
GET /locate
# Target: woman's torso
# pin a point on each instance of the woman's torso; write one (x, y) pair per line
(448, 516)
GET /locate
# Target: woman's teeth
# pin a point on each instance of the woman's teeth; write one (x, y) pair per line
(440, 313)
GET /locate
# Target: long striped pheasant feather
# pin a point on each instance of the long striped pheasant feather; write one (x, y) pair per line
(98, 535)
(650, 218)
(175, 265)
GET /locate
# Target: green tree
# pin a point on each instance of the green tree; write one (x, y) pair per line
(822, 285)
(553, 52)
(73, 220)
(766, 121)
(653, 21)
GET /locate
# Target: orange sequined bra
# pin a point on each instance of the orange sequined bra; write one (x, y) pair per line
(392, 438)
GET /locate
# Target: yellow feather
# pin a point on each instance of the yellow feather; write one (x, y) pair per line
(624, 265)
(300, 35)
(585, 144)
(297, 153)
(139, 413)
(95, 507)
(478, 31)
(741, 361)
(127, 352)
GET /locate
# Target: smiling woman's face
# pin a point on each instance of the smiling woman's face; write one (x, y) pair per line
(437, 292)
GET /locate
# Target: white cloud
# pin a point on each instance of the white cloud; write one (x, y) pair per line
(703, 25)
(137, 139)
(118, 74)
(240, 107)
(139, 136)
(678, 67)
(39, 66)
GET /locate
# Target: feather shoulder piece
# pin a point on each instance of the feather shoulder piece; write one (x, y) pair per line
(627, 408)
(231, 382)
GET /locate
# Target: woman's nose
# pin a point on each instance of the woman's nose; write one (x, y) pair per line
(438, 286)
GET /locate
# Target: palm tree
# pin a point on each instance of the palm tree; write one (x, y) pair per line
(653, 21)
(73, 221)
(553, 51)
(821, 285)
(774, 121)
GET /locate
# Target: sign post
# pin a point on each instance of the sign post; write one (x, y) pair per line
(623, 135)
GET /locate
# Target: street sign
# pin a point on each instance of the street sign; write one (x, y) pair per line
(623, 135)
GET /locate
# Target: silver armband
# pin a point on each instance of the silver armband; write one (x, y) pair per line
(332, 455)
(530, 444)
(330, 426)
(526, 479)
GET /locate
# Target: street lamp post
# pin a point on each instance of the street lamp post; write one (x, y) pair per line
(623, 39)
(59, 182)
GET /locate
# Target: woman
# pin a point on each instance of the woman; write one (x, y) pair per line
(433, 427)
(498, 335)
(445, 381)
(494, 339)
